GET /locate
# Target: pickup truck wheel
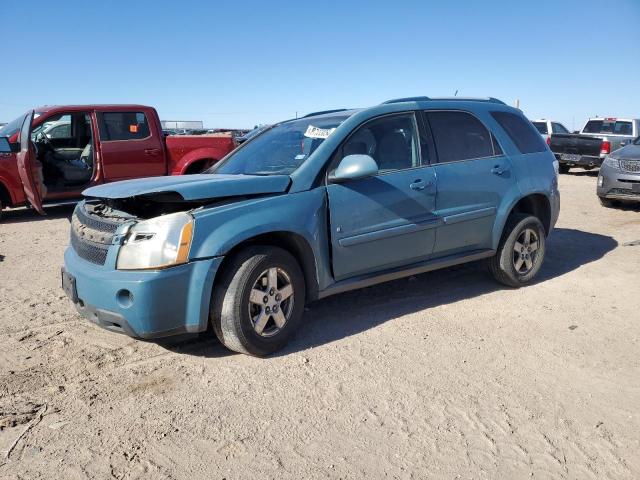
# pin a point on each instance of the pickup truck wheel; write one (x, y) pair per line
(258, 303)
(520, 252)
(563, 168)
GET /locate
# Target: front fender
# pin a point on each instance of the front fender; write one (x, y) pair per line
(219, 229)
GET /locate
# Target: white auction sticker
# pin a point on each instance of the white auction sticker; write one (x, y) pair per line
(316, 132)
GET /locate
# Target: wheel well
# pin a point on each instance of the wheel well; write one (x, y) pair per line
(296, 245)
(536, 205)
(4, 196)
(198, 166)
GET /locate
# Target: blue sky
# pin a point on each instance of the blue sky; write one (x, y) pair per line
(237, 64)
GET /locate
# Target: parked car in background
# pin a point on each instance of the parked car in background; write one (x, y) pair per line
(619, 176)
(547, 127)
(310, 208)
(56, 152)
(598, 138)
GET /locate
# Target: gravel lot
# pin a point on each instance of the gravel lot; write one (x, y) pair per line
(445, 375)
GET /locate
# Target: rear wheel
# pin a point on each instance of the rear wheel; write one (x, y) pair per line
(258, 303)
(520, 252)
(563, 168)
(1, 209)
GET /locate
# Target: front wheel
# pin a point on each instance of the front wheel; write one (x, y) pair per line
(607, 202)
(520, 252)
(258, 303)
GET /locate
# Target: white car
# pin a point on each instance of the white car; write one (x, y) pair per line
(548, 127)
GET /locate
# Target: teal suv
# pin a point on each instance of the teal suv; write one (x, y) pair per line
(311, 207)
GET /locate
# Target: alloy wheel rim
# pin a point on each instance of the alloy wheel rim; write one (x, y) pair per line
(525, 251)
(271, 302)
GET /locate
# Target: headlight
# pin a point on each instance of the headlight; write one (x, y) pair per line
(157, 243)
(609, 161)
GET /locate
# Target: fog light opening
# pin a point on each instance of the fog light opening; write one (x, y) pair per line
(124, 298)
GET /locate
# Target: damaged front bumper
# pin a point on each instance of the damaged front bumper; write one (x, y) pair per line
(142, 304)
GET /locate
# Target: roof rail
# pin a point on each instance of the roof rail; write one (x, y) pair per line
(406, 99)
(458, 99)
(322, 112)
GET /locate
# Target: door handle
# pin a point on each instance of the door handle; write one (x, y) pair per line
(499, 170)
(418, 185)
(152, 152)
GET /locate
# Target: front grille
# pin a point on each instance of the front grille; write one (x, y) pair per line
(90, 251)
(92, 235)
(623, 192)
(631, 166)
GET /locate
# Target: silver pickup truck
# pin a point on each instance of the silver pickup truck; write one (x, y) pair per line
(598, 138)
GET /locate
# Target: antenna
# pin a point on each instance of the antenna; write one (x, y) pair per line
(455, 94)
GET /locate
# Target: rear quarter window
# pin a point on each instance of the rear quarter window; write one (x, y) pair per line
(123, 126)
(525, 137)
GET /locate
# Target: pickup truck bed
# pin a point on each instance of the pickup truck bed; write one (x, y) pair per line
(576, 150)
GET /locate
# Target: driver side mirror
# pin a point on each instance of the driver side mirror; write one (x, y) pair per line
(353, 167)
(5, 145)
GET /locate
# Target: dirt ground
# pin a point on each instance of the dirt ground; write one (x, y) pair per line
(445, 375)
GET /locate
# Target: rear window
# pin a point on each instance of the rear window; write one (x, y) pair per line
(558, 128)
(615, 127)
(541, 127)
(459, 136)
(520, 131)
(123, 126)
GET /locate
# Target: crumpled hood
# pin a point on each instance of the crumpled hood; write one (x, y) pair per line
(193, 187)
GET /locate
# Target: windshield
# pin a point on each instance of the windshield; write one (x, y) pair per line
(281, 149)
(12, 127)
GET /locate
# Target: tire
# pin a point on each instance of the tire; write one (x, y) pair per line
(563, 168)
(504, 265)
(1, 210)
(607, 202)
(247, 326)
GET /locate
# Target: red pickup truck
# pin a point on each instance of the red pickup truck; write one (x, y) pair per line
(56, 152)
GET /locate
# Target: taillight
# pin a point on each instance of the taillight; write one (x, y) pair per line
(549, 140)
(605, 149)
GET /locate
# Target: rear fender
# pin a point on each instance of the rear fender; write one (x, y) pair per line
(206, 153)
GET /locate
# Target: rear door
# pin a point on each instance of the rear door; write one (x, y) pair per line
(130, 145)
(386, 220)
(473, 176)
(28, 169)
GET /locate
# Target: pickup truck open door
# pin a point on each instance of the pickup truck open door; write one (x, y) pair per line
(26, 159)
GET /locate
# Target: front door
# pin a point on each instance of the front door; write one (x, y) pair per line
(387, 220)
(28, 169)
(473, 177)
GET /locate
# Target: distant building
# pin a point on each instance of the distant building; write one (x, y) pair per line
(182, 124)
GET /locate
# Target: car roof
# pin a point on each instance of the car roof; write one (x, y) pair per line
(106, 107)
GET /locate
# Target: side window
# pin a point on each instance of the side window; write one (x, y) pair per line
(123, 126)
(459, 136)
(521, 132)
(558, 128)
(58, 126)
(392, 142)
